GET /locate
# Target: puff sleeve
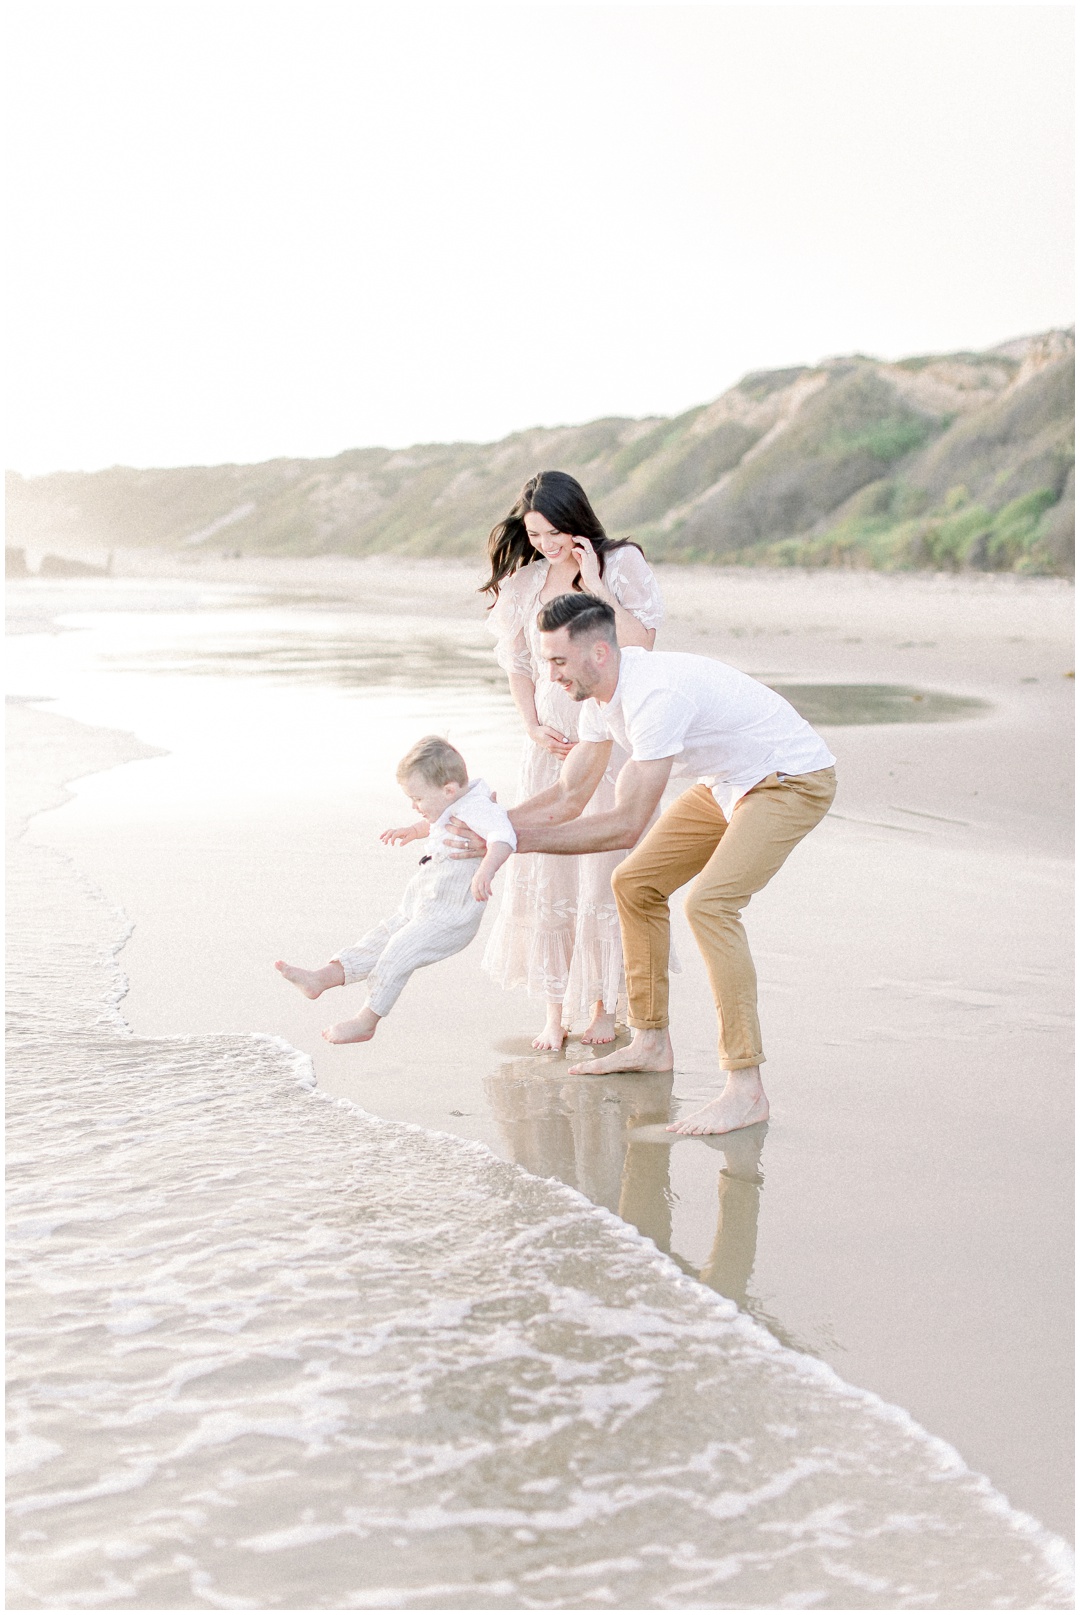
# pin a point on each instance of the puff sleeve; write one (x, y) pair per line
(631, 580)
(506, 620)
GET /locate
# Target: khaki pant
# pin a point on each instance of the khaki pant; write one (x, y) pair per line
(732, 862)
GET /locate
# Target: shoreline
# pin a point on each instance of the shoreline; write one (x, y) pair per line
(848, 1152)
(138, 562)
(104, 750)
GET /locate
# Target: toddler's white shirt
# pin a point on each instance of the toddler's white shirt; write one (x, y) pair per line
(475, 808)
(720, 725)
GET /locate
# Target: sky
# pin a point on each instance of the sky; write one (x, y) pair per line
(242, 230)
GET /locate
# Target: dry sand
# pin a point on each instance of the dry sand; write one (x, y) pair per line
(906, 1214)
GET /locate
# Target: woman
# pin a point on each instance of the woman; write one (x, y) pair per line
(557, 931)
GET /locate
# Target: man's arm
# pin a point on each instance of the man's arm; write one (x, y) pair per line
(578, 778)
(638, 790)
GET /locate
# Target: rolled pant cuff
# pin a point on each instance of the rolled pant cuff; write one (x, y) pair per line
(647, 1026)
(742, 1065)
(351, 976)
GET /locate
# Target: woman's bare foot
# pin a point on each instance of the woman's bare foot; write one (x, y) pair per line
(742, 1104)
(361, 1030)
(601, 1029)
(554, 1034)
(313, 982)
(647, 1051)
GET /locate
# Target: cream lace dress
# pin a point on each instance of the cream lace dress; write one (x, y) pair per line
(557, 929)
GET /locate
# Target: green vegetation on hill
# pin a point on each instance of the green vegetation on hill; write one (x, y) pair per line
(941, 461)
(993, 491)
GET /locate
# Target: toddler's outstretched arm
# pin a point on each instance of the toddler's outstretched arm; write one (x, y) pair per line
(497, 854)
(407, 832)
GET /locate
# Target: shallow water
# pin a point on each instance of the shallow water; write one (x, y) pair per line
(839, 705)
(188, 628)
(270, 1352)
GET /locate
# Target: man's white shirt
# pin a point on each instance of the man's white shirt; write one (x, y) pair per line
(722, 727)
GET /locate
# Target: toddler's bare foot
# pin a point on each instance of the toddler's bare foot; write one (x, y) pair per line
(554, 1034)
(647, 1051)
(360, 1030)
(742, 1104)
(313, 982)
(601, 1029)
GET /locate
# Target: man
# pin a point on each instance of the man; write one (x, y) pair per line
(764, 780)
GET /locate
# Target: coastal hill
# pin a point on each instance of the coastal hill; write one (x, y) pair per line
(961, 460)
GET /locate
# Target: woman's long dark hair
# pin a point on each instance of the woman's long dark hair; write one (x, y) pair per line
(562, 501)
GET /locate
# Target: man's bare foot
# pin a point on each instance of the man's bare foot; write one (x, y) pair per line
(601, 1029)
(361, 1030)
(554, 1034)
(313, 982)
(647, 1051)
(742, 1104)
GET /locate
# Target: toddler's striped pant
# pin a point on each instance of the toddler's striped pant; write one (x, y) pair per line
(438, 917)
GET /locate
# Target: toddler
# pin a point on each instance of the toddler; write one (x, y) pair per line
(443, 904)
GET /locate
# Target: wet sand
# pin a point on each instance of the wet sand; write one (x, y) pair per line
(905, 1215)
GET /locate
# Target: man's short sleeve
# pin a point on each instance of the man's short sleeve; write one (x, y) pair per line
(658, 727)
(591, 724)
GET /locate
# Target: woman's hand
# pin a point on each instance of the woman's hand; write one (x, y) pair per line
(407, 832)
(552, 740)
(589, 566)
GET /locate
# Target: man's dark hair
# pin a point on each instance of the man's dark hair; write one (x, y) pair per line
(580, 615)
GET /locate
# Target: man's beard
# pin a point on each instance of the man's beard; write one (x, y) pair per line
(584, 684)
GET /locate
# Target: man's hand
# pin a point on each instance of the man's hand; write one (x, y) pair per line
(464, 843)
(581, 773)
(407, 832)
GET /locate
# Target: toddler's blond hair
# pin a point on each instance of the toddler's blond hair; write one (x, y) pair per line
(436, 761)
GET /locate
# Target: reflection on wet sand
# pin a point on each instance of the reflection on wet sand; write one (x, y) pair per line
(605, 1137)
(420, 661)
(381, 644)
(578, 1129)
(731, 1261)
